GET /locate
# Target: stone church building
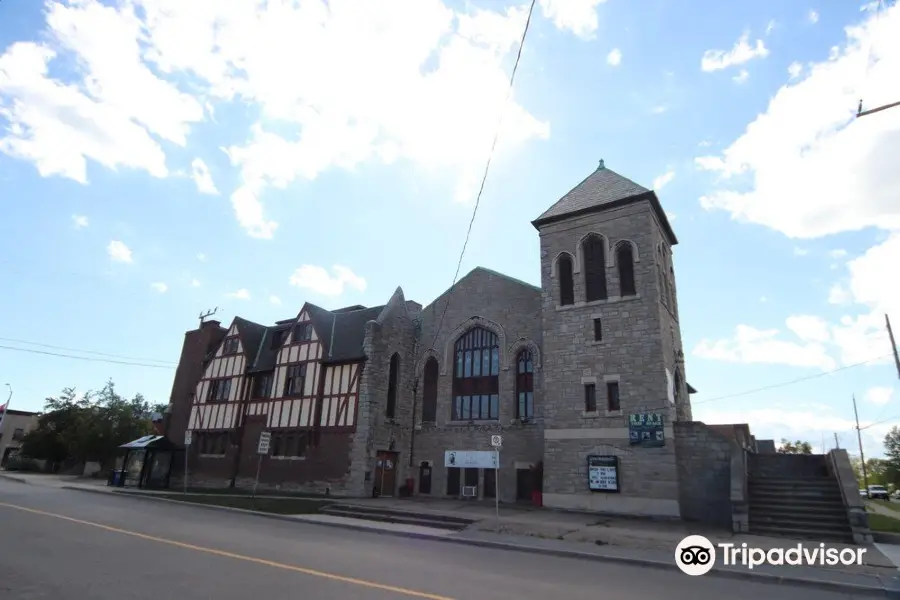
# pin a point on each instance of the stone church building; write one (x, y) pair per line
(583, 377)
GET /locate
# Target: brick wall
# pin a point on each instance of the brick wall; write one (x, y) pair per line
(704, 474)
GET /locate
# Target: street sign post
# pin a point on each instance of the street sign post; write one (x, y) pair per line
(262, 448)
(497, 443)
(187, 446)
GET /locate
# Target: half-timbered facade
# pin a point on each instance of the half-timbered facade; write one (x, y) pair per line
(364, 401)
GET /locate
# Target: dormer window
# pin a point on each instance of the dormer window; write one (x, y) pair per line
(277, 338)
(302, 332)
(295, 381)
(231, 346)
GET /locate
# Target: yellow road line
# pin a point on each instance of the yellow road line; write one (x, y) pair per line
(259, 561)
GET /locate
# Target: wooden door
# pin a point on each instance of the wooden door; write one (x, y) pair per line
(386, 473)
(425, 478)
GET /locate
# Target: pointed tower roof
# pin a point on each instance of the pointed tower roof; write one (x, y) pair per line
(601, 190)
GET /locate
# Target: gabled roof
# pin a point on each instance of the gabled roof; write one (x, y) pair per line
(603, 189)
(251, 335)
(341, 333)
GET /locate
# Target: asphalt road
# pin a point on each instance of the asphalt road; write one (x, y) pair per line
(65, 544)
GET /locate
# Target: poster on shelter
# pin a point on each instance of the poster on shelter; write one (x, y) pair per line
(603, 473)
(646, 429)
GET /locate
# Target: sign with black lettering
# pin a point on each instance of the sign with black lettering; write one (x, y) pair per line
(603, 473)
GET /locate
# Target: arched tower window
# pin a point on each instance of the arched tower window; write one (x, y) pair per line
(625, 264)
(594, 252)
(476, 382)
(429, 393)
(392, 387)
(676, 393)
(525, 385)
(566, 281)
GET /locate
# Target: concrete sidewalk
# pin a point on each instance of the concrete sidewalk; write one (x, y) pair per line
(589, 537)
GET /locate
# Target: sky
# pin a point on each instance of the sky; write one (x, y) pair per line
(162, 158)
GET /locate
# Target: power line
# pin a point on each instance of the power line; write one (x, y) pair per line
(487, 167)
(121, 356)
(87, 358)
(792, 382)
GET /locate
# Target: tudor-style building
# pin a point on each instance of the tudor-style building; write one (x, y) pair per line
(369, 400)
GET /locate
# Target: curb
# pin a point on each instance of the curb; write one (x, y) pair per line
(14, 478)
(880, 590)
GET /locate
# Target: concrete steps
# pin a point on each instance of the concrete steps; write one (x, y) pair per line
(808, 507)
(383, 515)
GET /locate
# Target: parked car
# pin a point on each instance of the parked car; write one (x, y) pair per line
(863, 493)
(878, 492)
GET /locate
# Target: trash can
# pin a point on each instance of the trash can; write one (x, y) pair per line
(116, 478)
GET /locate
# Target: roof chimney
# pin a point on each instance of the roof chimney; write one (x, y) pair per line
(601, 165)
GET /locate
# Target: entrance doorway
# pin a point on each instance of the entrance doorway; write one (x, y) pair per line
(424, 478)
(490, 483)
(524, 484)
(386, 473)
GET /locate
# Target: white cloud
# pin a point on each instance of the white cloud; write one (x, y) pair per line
(241, 294)
(813, 17)
(838, 294)
(658, 110)
(195, 283)
(663, 180)
(741, 77)
(577, 16)
(761, 346)
(809, 328)
(201, 257)
(203, 178)
(318, 280)
(763, 299)
(837, 253)
(419, 83)
(806, 167)
(119, 252)
(159, 287)
(614, 57)
(795, 69)
(741, 53)
(275, 300)
(879, 395)
(800, 251)
(80, 221)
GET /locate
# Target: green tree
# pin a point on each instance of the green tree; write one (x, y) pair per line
(90, 428)
(797, 447)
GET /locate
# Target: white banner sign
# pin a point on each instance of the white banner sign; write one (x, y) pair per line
(470, 459)
(264, 440)
(187, 437)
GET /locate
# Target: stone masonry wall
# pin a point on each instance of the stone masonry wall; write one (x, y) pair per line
(704, 474)
(511, 309)
(393, 332)
(631, 352)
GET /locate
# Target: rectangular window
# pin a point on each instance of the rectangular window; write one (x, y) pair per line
(526, 405)
(277, 338)
(219, 390)
(590, 397)
(18, 434)
(231, 346)
(612, 396)
(302, 332)
(598, 330)
(288, 445)
(295, 380)
(262, 385)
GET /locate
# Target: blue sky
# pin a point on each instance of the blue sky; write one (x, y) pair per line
(159, 158)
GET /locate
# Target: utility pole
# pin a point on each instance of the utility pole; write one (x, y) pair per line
(837, 444)
(887, 322)
(862, 457)
(862, 113)
(5, 408)
(209, 313)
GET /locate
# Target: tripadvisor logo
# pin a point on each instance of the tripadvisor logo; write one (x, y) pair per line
(696, 555)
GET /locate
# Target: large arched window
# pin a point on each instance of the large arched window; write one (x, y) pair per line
(476, 385)
(524, 385)
(625, 265)
(594, 252)
(392, 387)
(429, 393)
(566, 281)
(661, 277)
